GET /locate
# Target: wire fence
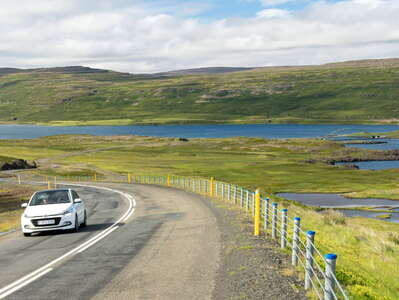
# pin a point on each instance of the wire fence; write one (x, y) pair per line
(319, 269)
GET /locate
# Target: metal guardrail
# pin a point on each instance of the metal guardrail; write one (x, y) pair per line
(319, 269)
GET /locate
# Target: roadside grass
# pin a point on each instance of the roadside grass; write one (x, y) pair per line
(368, 249)
(11, 198)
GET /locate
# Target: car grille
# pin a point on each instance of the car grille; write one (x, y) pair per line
(57, 221)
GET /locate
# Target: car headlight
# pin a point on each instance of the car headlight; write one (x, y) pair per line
(27, 216)
(68, 211)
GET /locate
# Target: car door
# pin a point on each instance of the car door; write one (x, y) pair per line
(79, 206)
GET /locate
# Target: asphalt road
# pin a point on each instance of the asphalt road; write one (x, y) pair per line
(154, 243)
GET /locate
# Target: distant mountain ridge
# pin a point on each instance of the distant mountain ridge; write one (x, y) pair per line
(66, 70)
(206, 70)
(88, 70)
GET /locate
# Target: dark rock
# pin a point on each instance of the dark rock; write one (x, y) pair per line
(352, 166)
(17, 164)
(183, 140)
(66, 100)
(310, 161)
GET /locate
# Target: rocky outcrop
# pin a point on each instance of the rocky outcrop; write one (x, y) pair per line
(17, 164)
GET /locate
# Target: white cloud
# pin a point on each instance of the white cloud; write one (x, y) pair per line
(133, 36)
(273, 13)
(275, 2)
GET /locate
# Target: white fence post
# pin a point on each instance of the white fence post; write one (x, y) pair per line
(284, 212)
(247, 202)
(235, 194)
(309, 258)
(331, 261)
(266, 214)
(274, 220)
(295, 241)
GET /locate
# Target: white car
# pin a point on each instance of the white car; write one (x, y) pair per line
(60, 209)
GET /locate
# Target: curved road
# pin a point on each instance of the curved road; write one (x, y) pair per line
(149, 243)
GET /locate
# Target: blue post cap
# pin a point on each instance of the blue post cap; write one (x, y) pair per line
(331, 256)
(310, 232)
(284, 210)
(297, 219)
(267, 199)
(274, 203)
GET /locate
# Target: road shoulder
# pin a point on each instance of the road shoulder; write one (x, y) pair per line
(250, 267)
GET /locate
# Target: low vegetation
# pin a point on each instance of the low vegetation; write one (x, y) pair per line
(368, 249)
(356, 92)
(11, 198)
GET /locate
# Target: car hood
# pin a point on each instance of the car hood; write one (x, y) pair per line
(47, 210)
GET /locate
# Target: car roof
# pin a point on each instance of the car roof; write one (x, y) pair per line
(54, 190)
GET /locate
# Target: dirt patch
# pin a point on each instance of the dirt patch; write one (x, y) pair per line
(251, 268)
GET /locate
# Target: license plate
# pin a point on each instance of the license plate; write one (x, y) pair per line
(46, 222)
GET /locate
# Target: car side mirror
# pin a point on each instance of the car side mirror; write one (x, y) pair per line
(24, 205)
(77, 200)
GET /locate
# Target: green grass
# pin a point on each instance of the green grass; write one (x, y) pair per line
(296, 165)
(364, 93)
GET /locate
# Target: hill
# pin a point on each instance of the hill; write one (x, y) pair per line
(352, 92)
(199, 71)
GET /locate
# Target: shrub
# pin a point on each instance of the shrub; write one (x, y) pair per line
(333, 217)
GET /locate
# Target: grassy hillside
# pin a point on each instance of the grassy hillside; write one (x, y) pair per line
(359, 92)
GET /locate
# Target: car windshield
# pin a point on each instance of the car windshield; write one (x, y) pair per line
(50, 197)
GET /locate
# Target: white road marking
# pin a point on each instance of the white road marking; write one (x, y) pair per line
(18, 284)
(9, 292)
(128, 216)
(97, 240)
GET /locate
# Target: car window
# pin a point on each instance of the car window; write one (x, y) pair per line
(75, 195)
(50, 197)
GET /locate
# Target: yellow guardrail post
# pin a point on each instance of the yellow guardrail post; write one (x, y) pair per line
(129, 178)
(168, 181)
(211, 182)
(55, 182)
(95, 177)
(257, 213)
(19, 179)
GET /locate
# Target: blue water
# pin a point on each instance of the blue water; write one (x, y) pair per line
(195, 131)
(370, 214)
(375, 165)
(390, 144)
(337, 201)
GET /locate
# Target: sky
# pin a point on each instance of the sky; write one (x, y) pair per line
(146, 36)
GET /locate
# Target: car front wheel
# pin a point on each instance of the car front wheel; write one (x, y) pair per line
(84, 224)
(76, 228)
(27, 234)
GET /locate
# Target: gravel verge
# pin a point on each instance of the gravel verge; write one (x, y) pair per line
(251, 267)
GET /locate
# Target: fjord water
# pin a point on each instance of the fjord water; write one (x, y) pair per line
(337, 201)
(375, 165)
(276, 131)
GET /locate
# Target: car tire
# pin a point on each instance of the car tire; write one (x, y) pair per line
(27, 234)
(84, 224)
(76, 228)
